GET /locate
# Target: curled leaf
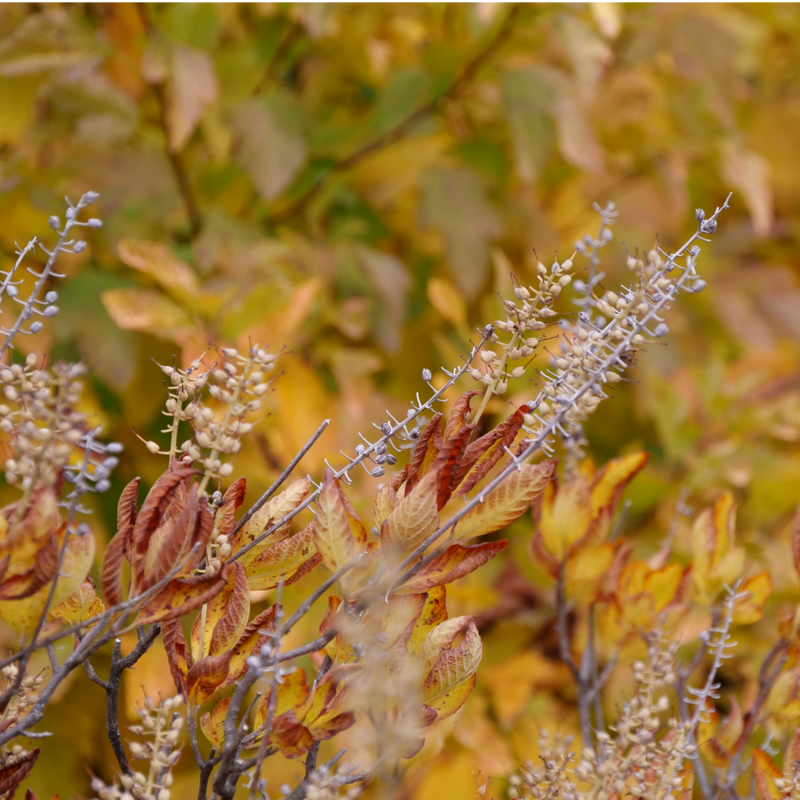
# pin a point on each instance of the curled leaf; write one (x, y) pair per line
(454, 563)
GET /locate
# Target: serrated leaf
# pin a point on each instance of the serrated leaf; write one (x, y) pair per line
(285, 561)
(506, 502)
(206, 676)
(434, 612)
(414, 518)
(456, 562)
(565, 516)
(330, 711)
(337, 532)
(225, 515)
(448, 462)
(750, 608)
(425, 451)
(82, 604)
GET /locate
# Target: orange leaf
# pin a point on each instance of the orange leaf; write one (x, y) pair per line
(330, 711)
(792, 754)
(454, 563)
(287, 561)
(485, 452)
(506, 502)
(206, 676)
(765, 773)
(415, 517)
(459, 413)
(80, 605)
(434, 612)
(180, 596)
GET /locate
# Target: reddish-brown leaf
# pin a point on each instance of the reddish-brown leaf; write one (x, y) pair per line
(428, 444)
(285, 561)
(183, 595)
(111, 568)
(448, 462)
(291, 737)
(153, 509)
(15, 771)
(172, 542)
(225, 518)
(454, 563)
(179, 657)
(458, 414)
(206, 676)
(27, 583)
(127, 512)
(541, 556)
(414, 518)
(485, 452)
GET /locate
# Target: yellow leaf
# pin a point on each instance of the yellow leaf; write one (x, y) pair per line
(448, 301)
(613, 478)
(450, 671)
(414, 518)
(212, 724)
(82, 604)
(506, 502)
(751, 608)
(715, 561)
(585, 569)
(434, 612)
(663, 585)
(157, 262)
(337, 532)
(287, 560)
(271, 512)
(566, 516)
(149, 311)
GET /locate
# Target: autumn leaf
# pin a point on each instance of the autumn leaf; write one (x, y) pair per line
(505, 503)
(213, 724)
(454, 563)
(255, 636)
(485, 452)
(285, 561)
(271, 512)
(425, 451)
(16, 769)
(750, 608)
(459, 413)
(183, 595)
(226, 615)
(337, 532)
(450, 673)
(716, 562)
(765, 774)
(414, 518)
(82, 604)
(120, 546)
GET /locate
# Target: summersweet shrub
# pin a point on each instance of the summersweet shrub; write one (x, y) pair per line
(184, 561)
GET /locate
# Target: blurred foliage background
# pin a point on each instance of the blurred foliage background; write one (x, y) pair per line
(355, 184)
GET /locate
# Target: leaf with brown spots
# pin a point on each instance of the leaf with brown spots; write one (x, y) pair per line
(213, 724)
(454, 563)
(206, 676)
(25, 584)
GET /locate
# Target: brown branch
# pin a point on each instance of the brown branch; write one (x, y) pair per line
(412, 119)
